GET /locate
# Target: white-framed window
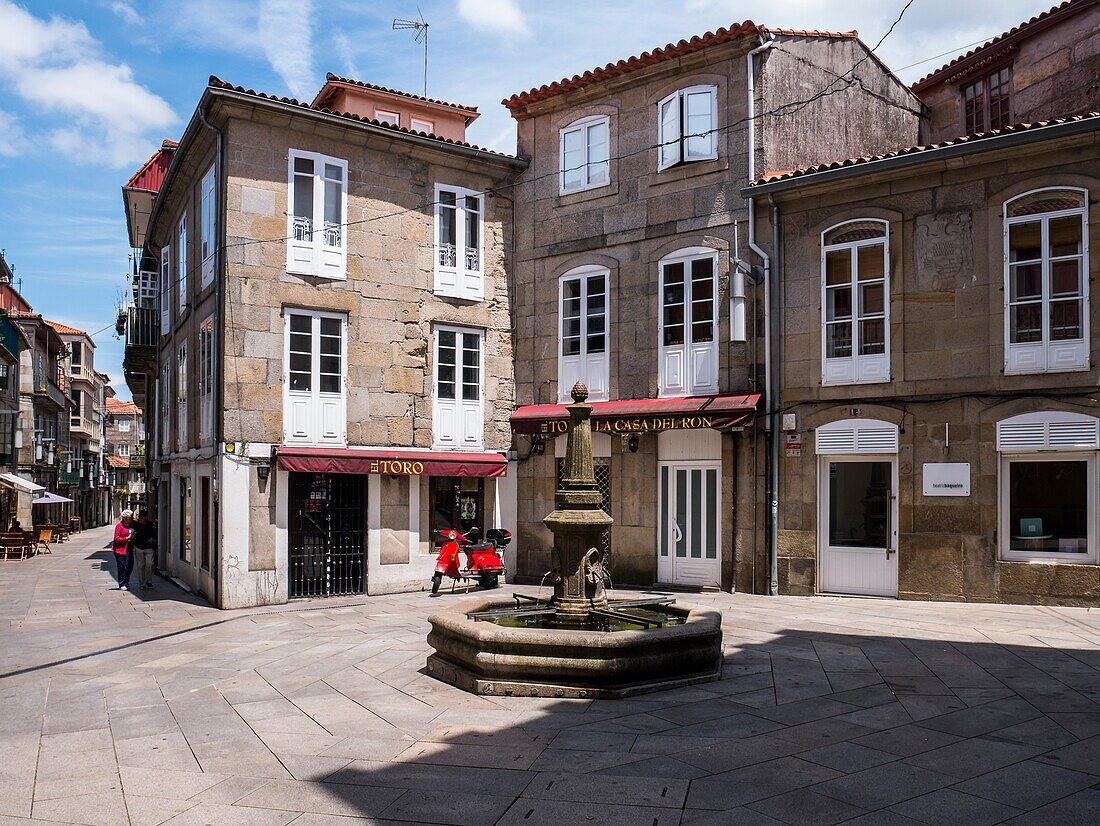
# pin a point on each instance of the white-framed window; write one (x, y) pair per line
(687, 121)
(75, 361)
(458, 420)
(418, 125)
(206, 379)
(1046, 289)
(855, 300)
(314, 378)
(688, 323)
(182, 400)
(584, 154)
(582, 331)
(145, 289)
(164, 392)
(165, 290)
(459, 242)
(76, 411)
(316, 223)
(181, 262)
(123, 450)
(124, 425)
(1048, 487)
(207, 227)
(392, 118)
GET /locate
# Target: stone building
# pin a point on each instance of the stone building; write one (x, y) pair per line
(1046, 67)
(87, 398)
(333, 370)
(629, 223)
(939, 369)
(124, 452)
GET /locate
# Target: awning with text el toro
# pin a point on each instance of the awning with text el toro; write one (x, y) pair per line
(390, 462)
(727, 412)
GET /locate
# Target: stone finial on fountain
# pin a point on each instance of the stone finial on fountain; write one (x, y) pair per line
(579, 392)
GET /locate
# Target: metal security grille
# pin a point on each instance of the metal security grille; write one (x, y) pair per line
(328, 528)
(603, 482)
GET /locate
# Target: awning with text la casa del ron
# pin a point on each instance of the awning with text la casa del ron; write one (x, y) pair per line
(390, 461)
(728, 412)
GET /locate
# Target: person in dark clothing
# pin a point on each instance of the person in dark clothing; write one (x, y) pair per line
(143, 544)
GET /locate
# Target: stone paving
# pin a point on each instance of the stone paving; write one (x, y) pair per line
(150, 707)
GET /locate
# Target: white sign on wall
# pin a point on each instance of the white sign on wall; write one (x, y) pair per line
(947, 479)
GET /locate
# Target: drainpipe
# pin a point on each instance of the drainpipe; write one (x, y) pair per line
(772, 474)
(773, 409)
(216, 356)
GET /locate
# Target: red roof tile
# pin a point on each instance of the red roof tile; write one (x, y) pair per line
(334, 78)
(670, 51)
(121, 408)
(65, 329)
(118, 461)
(1013, 35)
(151, 175)
(217, 83)
(771, 177)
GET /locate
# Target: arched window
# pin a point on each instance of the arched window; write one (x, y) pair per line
(1048, 486)
(582, 331)
(855, 301)
(1046, 325)
(688, 322)
(585, 153)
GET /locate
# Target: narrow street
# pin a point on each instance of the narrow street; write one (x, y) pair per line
(147, 707)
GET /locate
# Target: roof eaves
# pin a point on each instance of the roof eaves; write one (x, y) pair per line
(331, 77)
(669, 51)
(1013, 35)
(997, 138)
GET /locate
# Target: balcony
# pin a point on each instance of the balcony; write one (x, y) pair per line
(47, 388)
(142, 327)
(68, 477)
(140, 359)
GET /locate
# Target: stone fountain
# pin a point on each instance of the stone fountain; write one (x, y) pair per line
(578, 643)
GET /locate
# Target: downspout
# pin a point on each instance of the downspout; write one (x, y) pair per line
(773, 408)
(772, 486)
(216, 356)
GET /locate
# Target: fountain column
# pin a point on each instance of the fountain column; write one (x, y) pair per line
(578, 520)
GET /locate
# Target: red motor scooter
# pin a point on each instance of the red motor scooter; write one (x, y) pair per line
(483, 559)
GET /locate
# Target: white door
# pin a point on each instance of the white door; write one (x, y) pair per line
(858, 535)
(688, 532)
(458, 420)
(688, 324)
(314, 406)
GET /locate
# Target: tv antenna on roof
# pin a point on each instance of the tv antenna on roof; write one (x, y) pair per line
(420, 25)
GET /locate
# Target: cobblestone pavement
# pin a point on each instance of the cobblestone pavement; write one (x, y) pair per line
(150, 707)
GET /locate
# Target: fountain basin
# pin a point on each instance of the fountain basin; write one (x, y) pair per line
(486, 658)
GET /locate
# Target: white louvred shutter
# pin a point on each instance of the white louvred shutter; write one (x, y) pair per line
(165, 291)
(1048, 431)
(856, 436)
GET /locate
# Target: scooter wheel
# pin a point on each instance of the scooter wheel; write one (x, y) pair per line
(488, 581)
(436, 579)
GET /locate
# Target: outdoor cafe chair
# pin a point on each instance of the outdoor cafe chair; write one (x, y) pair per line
(45, 536)
(15, 546)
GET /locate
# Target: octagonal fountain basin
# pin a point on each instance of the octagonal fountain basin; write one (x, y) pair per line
(511, 649)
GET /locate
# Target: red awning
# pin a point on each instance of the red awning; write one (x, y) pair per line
(644, 415)
(390, 462)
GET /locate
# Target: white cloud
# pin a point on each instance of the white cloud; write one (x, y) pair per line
(342, 43)
(126, 12)
(55, 66)
(285, 33)
(498, 16)
(13, 139)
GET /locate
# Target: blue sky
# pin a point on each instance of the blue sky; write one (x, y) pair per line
(89, 88)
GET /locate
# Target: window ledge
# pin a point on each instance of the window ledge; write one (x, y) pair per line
(852, 383)
(312, 274)
(691, 169)
(581, 196)
(1046, 560)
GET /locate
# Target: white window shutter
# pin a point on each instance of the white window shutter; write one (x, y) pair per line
(1049, 430)
(165, 293)
(856, 436)
(668, 131)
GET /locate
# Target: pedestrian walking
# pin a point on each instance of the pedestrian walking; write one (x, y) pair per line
(124, 557)
(143, 543)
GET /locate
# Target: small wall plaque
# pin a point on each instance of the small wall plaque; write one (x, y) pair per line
(946, 479)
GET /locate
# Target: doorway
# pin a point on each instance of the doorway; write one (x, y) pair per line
(857, 534)
(328, 529)
(689, 524)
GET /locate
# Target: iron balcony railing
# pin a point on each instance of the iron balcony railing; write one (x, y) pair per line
(142, 328)
(45, 386)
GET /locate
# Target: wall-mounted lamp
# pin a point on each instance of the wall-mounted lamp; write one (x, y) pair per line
(633, 443)
(263, 470)
(539, 447)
